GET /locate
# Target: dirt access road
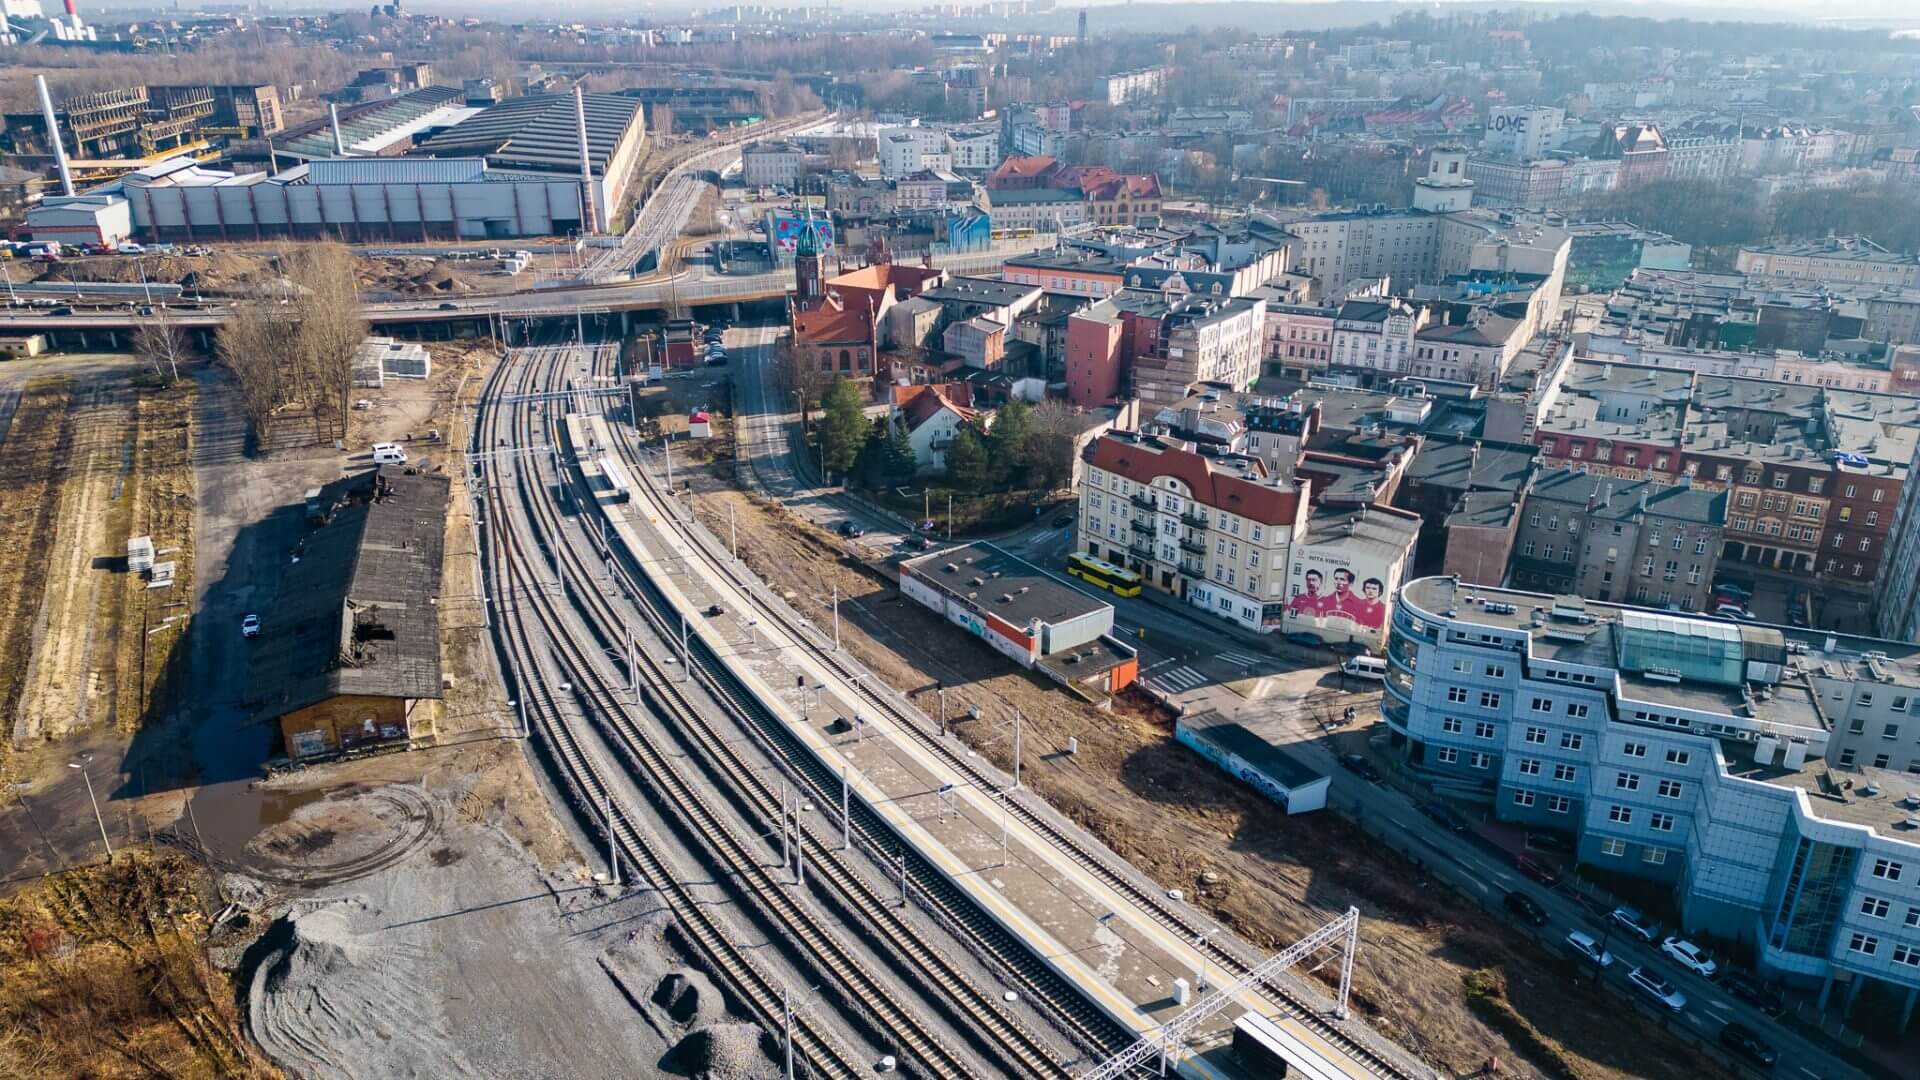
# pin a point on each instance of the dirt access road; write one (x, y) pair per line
(1178, 818)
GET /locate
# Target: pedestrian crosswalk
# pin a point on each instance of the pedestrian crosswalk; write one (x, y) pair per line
(1178, 680)
(1242, 659)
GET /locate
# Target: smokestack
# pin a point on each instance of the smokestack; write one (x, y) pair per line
(73, 13)
(53, 130)
(586, 162)
(339, 147)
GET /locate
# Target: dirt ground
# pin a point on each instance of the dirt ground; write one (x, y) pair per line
(242, 268)
(1178, 818)
(91, 462)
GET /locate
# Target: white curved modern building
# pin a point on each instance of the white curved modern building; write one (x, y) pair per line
(1770, 776)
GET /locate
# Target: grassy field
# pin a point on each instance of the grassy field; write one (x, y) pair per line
(104, 973)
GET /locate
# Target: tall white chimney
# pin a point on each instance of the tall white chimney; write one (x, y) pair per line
(53, 134)
(586, 162)
(339, 146)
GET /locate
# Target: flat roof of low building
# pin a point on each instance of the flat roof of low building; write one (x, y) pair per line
(996, 580)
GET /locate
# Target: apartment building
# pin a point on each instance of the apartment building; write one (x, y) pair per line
(1039, 209)
(1476, 352)
(1215, 531)
(973, 151)
(1200, 339)
(1137, 85)
(1766, 776)
(1896, 600)
(1849, 259)
(1409, 247)
(1299, 339)
(907, 150)
(1619, 541)
(1373, 339)
(771, 164)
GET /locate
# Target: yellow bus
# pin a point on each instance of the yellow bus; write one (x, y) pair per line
(1116, 580)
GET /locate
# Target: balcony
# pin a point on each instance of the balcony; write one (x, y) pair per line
(1188, 543)
(1193, 569)
(1145, 502)
(1141, 550)
(1140, 526)
(1193, 520)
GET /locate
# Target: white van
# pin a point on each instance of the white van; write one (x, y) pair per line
(1365, 667)
(386, 453)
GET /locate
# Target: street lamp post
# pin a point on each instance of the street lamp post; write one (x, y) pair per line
(97, 819)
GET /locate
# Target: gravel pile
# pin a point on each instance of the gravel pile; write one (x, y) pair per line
(327, 1002)
(731, 1051)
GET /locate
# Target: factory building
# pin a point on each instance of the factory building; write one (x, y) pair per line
(510, 170)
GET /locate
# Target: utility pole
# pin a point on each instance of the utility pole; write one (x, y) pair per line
(613, 854)
(686, 662)
(836, 616)
(949, 515)
(786, 853)
(733, 533)
(81, 765)
(942, 692)
(786, 1008)
(1016, 749)
(846, 821)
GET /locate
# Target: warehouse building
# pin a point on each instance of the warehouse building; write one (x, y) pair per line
(348, 658)
(1022, 613)
(507, 171)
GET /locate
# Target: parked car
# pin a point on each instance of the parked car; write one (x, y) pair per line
(851, 529)
(250, 626)
(1729, 611)
(1732, 587)
(917, 542)
(1631, 920)
(1358, 765)
(1554, 842)
(714, 611)
(1583, 946)
(1745, 988)
(1063, 521)
(1746, 1045)
(1304, 639)
(1657, 988)
(1526, 907)
(449, 306)
(1537, 869)
(1444, 815)
(1690, 956)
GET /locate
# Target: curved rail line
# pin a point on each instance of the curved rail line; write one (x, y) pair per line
(974, 1011)
(916, 726)
(510, 574)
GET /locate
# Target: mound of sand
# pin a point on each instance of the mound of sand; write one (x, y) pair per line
(327, 1001)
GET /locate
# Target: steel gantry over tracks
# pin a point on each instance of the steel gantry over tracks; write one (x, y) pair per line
(1169, 1039)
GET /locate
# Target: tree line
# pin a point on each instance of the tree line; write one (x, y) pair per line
(1025, 448)
(294, 344)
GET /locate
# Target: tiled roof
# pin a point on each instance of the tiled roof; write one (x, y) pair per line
(1210, 484)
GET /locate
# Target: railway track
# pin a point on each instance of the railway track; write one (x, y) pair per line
(916, 726)
(998, 1034)
(1087, 1026)
(530, 609)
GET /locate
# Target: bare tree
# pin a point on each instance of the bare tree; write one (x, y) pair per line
(802, 378)
(254, 345)
(1049, 449)
(330, 329)
(161, 344)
